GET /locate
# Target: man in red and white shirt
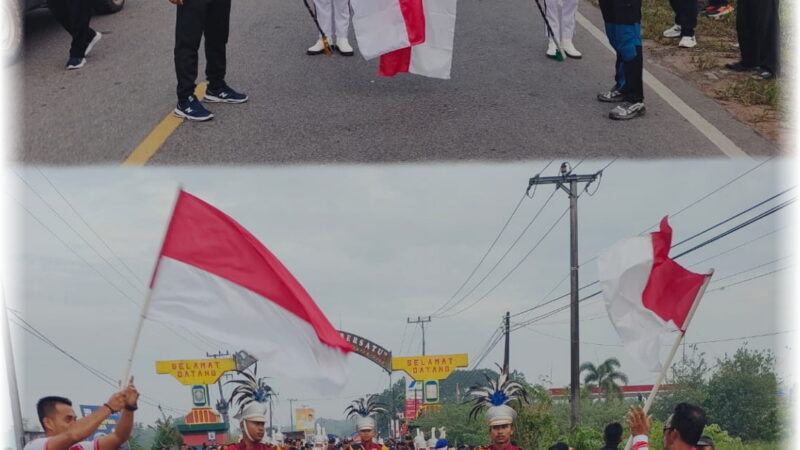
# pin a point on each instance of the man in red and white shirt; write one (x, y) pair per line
(681, 431)
(64, 431)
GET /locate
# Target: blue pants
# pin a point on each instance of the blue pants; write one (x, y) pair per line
(624, 30)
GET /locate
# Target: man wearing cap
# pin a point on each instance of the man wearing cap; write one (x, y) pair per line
(363, 410)
(497, 396)
(252, 418)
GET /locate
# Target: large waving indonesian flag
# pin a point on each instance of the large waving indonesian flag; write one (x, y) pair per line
(215, 278)
(649, 296)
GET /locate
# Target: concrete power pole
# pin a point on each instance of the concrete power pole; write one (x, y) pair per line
(422, 322)
(507, 326)
(222, 405)
(291, 413)
(568, 182)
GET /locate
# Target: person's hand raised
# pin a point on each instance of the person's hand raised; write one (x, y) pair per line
(131, 395)
(638, 422)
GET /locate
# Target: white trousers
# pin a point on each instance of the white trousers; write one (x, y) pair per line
(561, 15)
(333, 17)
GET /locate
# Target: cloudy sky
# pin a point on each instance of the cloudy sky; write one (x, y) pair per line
(374, 245)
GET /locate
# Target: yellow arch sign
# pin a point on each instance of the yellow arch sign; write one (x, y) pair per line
(433, 367)
(196, 371)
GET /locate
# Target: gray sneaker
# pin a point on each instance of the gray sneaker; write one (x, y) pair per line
(627, 111)
(613, 95)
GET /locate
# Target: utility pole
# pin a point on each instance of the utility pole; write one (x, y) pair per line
(291, 414)
(568, 182)
(507, 326)
(222, 405)
(422, 323)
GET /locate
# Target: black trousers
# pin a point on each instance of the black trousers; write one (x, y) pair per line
(758, 32)
(197, 19)
(685, 15)
(74, 16)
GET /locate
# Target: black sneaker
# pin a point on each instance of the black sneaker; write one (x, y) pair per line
(224, 95)
(75, 63)
(192, 109)
(738, 66)
(627, 111)
(613, 95)
(766, 74)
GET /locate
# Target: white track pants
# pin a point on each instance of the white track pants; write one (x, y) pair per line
(333, 17)
(561, 15)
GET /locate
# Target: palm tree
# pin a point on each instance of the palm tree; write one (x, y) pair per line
(606, 376)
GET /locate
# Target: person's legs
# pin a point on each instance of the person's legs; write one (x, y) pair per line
(218, 19)
(324, 11)
(768, 36)
(746, 31)
(687, 17)
(189, 24)
(74, 16)
(552, 12)
(341, 17)
(629, 38)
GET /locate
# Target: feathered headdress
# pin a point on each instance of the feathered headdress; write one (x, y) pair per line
(364, 409)
(250, 395)
(495, 396)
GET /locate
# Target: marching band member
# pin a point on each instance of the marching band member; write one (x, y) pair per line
(333, 17)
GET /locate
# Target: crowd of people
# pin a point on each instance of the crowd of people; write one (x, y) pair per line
(756, 25)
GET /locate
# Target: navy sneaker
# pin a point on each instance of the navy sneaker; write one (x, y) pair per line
(75, 63)
(224, 95)
(192, 109)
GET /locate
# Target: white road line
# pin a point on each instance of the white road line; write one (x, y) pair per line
(723, 143)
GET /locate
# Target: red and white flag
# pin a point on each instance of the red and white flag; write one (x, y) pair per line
(648, 295)
(434, 57)
(383, 26)
(215, 278)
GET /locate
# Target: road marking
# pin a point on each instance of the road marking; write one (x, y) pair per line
(150, 145)
(723, 143)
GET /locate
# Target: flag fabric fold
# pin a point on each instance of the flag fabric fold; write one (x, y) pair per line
(215, 278)
(434, 57)
(383, 26)
(648, 295)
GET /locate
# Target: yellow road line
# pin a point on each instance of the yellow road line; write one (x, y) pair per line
(150, 145)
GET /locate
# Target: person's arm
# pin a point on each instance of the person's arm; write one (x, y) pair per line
(639, 424)
(124, 427)
(81, 429)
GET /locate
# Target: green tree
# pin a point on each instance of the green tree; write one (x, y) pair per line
(689, 375)
(742, 395)
(605, 376)
(167, 434)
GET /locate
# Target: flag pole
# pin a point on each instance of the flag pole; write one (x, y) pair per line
(652, 397)
(11, 375)
(148, 298)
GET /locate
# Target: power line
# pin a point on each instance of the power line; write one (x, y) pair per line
(749, 270)
(513, 244)
(728, 183)
(96, 372)
(750, 279)
(488, 250)
(697, 247)
(737, 247)
(513, 269)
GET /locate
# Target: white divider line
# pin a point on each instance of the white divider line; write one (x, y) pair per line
(723, 143)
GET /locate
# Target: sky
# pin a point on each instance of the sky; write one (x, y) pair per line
(375, 245)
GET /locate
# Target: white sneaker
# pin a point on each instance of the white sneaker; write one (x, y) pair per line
(688, 42)
(551, 48)
(95, 40)
(343, 46)
(570, 49)
(317, 48)
(672, 32)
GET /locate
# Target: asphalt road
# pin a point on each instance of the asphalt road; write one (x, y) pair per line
(505, 101)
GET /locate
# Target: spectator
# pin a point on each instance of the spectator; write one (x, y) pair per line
(197, 19)
(74, 16)
(612, 436)
(685, 22)
(63, 430)
(624, 30)
(333, 17)
(682, 430)
(759, 38)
